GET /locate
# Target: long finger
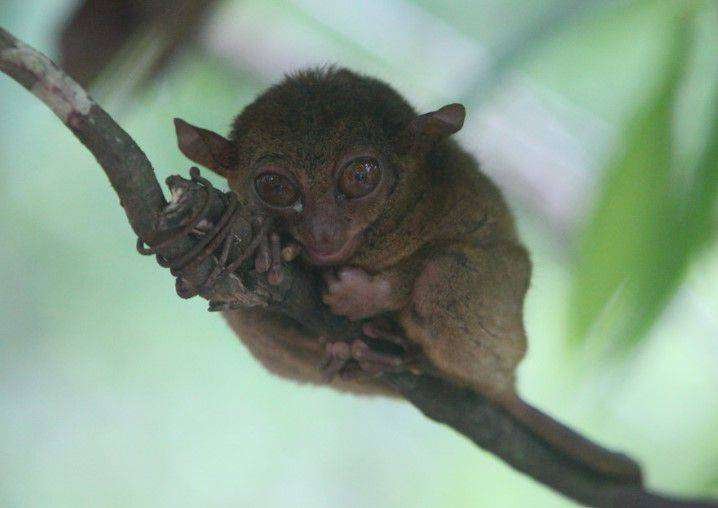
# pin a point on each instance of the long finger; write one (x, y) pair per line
(262, 259)
(275, 269)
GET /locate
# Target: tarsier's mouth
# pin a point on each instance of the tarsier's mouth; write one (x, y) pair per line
(320, 257)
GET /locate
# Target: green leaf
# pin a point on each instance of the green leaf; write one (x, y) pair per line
(647, 222)
(703, 201)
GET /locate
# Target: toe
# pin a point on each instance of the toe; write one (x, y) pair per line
(377, 332)
(336, 357)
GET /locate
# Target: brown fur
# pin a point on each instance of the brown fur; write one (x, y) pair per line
(432, 247)
(439, 232)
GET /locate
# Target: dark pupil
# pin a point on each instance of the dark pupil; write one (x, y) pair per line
(275, 190)
(362, 173)
(361, 179)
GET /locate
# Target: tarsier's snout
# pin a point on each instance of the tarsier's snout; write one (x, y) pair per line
(327, 238)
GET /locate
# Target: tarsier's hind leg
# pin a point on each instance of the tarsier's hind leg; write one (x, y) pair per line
(466, 312)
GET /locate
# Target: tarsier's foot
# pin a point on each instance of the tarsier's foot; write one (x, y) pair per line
(356, 294)
(270, 254)
(355, 359)
(378, 352)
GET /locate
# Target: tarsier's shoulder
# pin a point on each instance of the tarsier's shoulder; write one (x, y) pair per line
(472, 206)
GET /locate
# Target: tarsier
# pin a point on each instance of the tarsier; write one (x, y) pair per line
(407, 232)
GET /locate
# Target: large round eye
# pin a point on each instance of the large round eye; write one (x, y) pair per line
(276, 190)
(359, 177)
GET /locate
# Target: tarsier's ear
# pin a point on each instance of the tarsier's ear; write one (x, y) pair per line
(206, 148)
(440, 123)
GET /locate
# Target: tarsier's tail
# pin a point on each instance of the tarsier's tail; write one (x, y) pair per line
(575, 447)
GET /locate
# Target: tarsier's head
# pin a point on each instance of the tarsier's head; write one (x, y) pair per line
(329, 152)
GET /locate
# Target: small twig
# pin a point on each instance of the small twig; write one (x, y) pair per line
(151, 218)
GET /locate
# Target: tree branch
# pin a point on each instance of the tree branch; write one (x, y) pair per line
(153, 220)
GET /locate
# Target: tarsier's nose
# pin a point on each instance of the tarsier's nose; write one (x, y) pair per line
(323, 236)
(325, 233)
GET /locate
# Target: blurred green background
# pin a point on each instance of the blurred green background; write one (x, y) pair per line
(599, 119)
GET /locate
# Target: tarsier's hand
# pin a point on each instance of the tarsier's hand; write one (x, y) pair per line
(354, 293)
(270, 254)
